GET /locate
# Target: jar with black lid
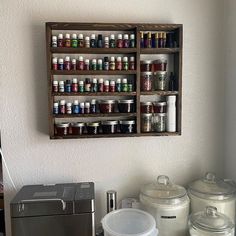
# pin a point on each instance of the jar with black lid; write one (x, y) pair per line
(62, 129)
(107, 106)
(126, 105)
(109, 126)
(93, 127)
(127, 126)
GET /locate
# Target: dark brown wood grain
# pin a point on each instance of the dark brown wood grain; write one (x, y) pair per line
(96, 94)
(93, 72)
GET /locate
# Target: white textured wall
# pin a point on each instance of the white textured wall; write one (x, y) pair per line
(230, 88)
(121, 164)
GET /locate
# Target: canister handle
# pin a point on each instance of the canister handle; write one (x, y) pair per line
(211, 211)
(22, 202)
(163, 179)
(210, 177)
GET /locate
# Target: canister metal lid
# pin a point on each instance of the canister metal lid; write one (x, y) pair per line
(107, 101)
(126, 101)
(127, 122)
(146, 73)
(62, 125)
(146, 114)
(109, 122)
(159, 114)
(211, 220)
(93, 124)
(78, 124)
(146, 62)
(160, 73)
(146, 103)
(159, 103)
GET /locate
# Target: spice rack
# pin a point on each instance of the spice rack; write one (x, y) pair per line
(137, 95)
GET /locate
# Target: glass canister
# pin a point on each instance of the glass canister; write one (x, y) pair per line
(127, 126)
(159, 122)
(210, 223)
(146, 123)
(159, 107)
(213, 191)
(146, 81)
(62, 129)
(77, 128)
(109, 126)
(93, 127)
(146, 107)
(146, 66)
(160, 65)
(126, 105)
(160, 80)
(107, 106)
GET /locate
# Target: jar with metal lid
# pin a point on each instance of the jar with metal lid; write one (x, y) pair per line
(146, 66)
(126, 105)
(210, 223)
(160, 65)
(159, 122)
(168, 203)
(107, 106)
(159, 107)
(62, 129)
(127, 126)
(160, 80)
(146, 107)
(213, 191)
(77, 128)
(92, 127)
(109, 126)
(146, 123)
(146, 81)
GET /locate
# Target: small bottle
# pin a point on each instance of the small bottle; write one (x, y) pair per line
(160, 40)
(99, 65)
(141, 40)
(131, 63)
(67, 41)
(153, 41)
(171, 114)
(164, 39)
(149, 40)
(100, 85)
(124, 85)
(62, 107)
(94, 64)
(156, 40)
(68, 108)
(94, 86)
(87, 108)
(93, 106)
(100, 41)
(55, 87)
(112, 41)
(118, 85)
(119, 42)
(132, 41)
(73, 64)
(54, 63)
(126, 41)
(118, 63)
(81, 86)
(61, 87)
(81, 63)
(106, 86)
(75, 107)
(86, 64)
(93, 42)
(68, 86)
(129, 86)
(67, 63)
(74, 86)
(81, 106)
(87, 42)
(56, 108)
(112, 64)
(145, 37)
(74, 41)
(54, 41)
(81, 41)
(106, 63)
(112, 86)
(125, 64)
(60, 64)
(87, 87)
(106, 42)
(60, 42)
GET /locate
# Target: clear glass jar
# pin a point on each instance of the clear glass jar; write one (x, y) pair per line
(146, 123)
(159, 122)
(146, 81)
(109, 126)
(107, 106)
(160, 80)
(146, 66)
(160, 65)
(127, 126)
(159, 107)
(93, 128)
(77, 128)
(62, 129)
(146, 107)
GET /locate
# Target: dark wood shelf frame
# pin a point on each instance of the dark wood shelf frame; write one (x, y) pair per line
(137, 52)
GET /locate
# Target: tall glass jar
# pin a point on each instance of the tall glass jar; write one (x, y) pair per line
(146, 123)
(146, 81)
(159, 122)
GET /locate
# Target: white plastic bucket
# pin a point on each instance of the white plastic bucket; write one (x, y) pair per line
(126, 222)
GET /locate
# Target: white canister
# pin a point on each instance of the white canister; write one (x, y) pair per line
(210, 223)
(212, 191)
(168, 204)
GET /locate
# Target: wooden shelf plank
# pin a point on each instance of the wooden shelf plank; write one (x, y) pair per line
(160, 134)
(94, 50)
(93, 72)
(161, 93)
(96, 94)
(116, 114)
(159, 50)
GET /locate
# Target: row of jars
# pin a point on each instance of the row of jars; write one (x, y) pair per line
(153, 65)
(101, 106)
(153, 122)
(93, 85)
(93, 41)
(98, 127)
(111, 63)
(157, 40)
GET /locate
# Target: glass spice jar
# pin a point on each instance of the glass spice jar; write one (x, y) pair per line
(55, 86)
(54, 63)
(127, 126)
(86, 64)
(87, 107)
(67, 63)
(149, 40)
(62, 129)
(118, 63)
(81, 41)
(73, 64)
(159, 122)
(146, 107)
(56, 108)
(68, 86)
(93, 106)
(60, 64)
(93, 43)
(106, 42)
(132, 41)
(94, 64)
(159, 107)
(68, 108)
(106, 86)
(75, 107)
(61, 86)
(131, 63)
(146, 81)
(81, 86)
(106, 63)
(125, 64)
(146, 123)
(142, 40)
(159, 65)
(107, 106)
(77, 128)
(81, 108)
(74, 86)
(87, 87)
(67, 41)
(81, 63)
(54, 41)
(118, 85)
(112, 41)
(146, 66)
(92, 128)
(99, 65)
(119, 42)
(62, 107)
(126, 105)
(124, 85)
(87, 42)
(112, 65)
(109, 126)
(100, 85)
(160, 80)
(126, 41)
(100, 41)
(60, 41)
(112, 86)
(94, 86)
(74, 41)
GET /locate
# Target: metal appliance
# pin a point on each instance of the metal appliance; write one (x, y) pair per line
(49, 210)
